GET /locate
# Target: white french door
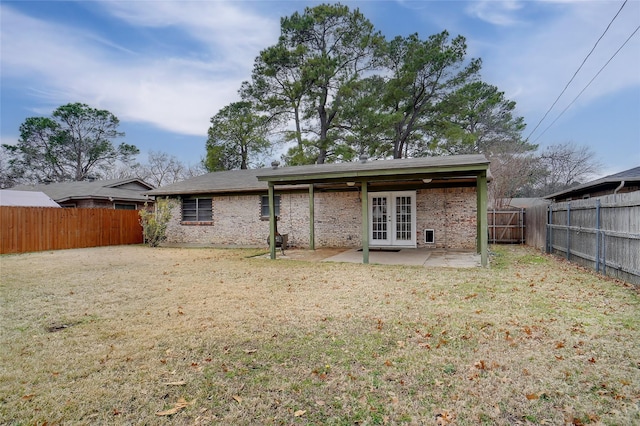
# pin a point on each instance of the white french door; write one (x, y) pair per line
(392, 219)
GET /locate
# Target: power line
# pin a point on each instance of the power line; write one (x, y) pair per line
(576, 73)
(588, 84)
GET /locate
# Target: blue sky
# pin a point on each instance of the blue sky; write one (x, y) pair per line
(164, 68)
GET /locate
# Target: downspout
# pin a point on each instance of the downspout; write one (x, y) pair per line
(615, 191)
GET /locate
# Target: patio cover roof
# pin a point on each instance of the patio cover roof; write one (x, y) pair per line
(365, 172)
(452, 166)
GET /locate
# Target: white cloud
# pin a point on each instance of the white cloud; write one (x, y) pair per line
(496, 12)
(175, 93)
(230, 30)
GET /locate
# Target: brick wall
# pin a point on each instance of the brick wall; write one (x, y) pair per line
(236, 220)
(451, 213)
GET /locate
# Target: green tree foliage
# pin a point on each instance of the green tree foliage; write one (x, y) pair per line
(237, 138)
(154, 222)
(423, 74)
(321, 53)
(334, 86)
(365, 127)
(478, 119)
(75, 142)
(277, 87)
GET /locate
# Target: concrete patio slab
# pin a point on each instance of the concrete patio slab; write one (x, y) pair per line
(416, 257)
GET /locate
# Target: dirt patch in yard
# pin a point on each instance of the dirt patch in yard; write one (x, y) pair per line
(202, 336)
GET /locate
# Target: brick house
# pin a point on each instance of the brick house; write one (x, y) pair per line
(405, 203)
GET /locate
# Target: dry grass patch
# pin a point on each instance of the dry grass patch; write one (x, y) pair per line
(134, 335)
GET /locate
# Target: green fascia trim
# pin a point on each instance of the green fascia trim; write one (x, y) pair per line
(388, 174)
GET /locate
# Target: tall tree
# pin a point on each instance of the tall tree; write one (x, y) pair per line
(364, 127)
(565, 165)
(478, 119)
(332, 47)
(237, 138)
(277, 87)
(422, 74)
(7, 178)
(159, 170)
(77, 141)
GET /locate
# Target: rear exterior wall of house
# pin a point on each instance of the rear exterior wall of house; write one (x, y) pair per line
(237, 221)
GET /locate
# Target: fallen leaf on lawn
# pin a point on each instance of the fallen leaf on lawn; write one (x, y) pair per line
(178, 406)
(480, 365)
(445, 417)
(28, 397)
(237, 398)
(180, 383)
(250, 351)
(531, 396)
(299, 413)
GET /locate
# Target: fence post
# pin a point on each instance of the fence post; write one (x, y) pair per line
(522, 226)
(568, 231)
(598, 235)
(549, 242)
(604, 254)
(493, 227)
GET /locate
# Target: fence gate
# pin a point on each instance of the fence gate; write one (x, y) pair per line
(506, 226)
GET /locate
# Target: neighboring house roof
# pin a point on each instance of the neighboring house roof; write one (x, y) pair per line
(523, 202)
(631, 176)
(114, 189)
(256, 179)
(25, 199)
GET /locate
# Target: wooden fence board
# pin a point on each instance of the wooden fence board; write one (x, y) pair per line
(26, 229)
(602, 233)
(506, 226)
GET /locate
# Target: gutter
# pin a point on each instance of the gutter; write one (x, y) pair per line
(615, 191)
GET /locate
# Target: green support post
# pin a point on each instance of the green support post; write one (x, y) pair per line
(478, 221)
(483, 223)
(272, 221)
(364, 193)
(312, 228)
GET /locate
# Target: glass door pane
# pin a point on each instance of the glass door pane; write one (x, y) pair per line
(404, 219)
(379, 219)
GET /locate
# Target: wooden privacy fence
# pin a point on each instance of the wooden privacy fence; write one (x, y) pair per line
(602, 233)
(536, 226)
(26, 229)
(506, 226)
